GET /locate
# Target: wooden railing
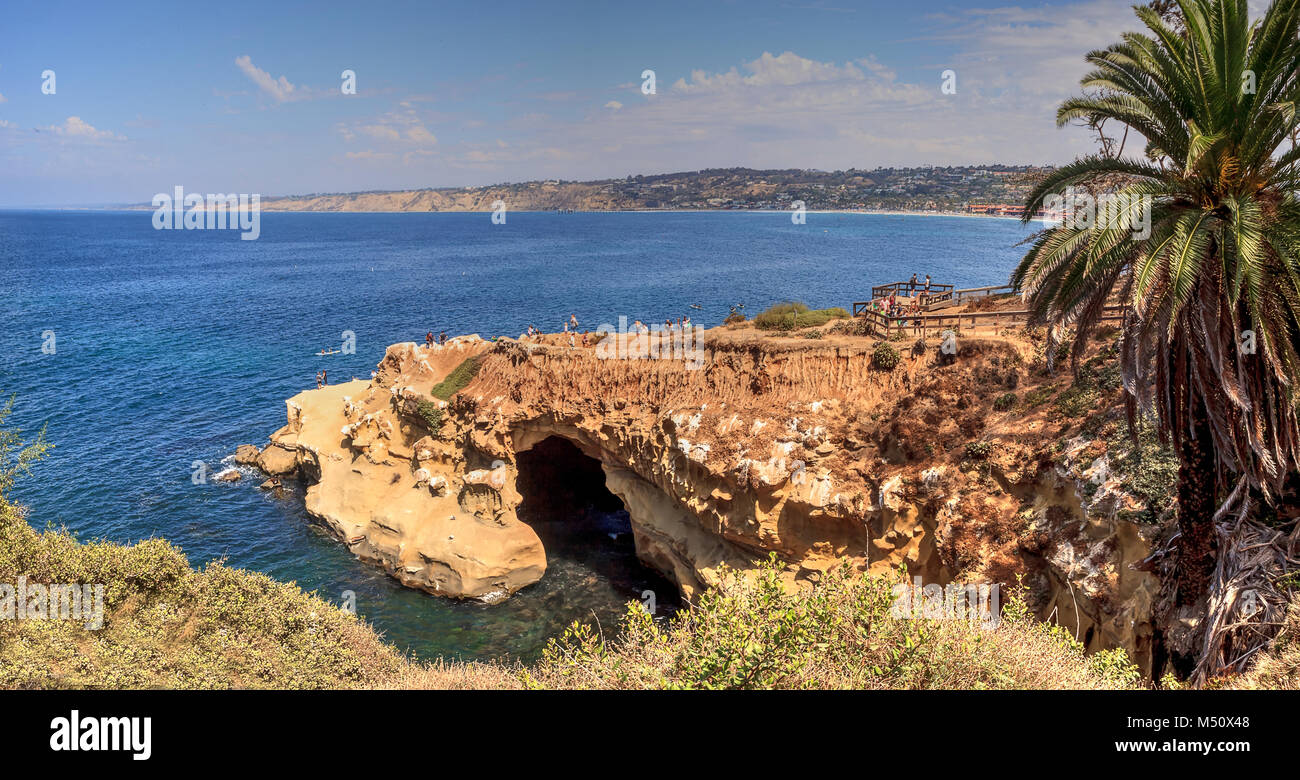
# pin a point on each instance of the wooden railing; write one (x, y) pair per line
(925, 324)
(958, 297)
(880, 291)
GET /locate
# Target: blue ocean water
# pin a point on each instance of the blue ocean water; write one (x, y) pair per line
(172, 347)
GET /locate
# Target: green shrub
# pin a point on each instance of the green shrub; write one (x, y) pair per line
(978, 450)
(844, 632)
(1005, 402)
(16, 455)
(1078, 401)
(431, 414)
(1039, 395)
(457, 380)
(1097, 377)
(796, 316)
(1148, 470)
(885, 356)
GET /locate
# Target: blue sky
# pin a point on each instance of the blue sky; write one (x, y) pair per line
(245, 97)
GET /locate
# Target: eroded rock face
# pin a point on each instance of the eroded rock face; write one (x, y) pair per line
(717, 466)
(780, 446)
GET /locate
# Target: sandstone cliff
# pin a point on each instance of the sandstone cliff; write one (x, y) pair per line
(797, 447)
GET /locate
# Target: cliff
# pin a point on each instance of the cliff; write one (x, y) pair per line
(800, 447)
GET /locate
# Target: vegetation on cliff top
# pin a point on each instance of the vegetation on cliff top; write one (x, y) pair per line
(457, 380)
(885, 356)
(795, 316)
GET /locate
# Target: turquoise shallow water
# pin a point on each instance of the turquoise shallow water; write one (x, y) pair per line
(176, 346)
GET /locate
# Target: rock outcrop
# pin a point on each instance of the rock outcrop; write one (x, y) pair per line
(246, 455)
(792, 447)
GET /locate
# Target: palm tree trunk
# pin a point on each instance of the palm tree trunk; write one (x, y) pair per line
(1197, 501)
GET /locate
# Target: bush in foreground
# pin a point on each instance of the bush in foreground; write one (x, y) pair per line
(169, 626)
(749, 632)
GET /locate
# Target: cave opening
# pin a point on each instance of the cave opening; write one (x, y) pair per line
(586, 530)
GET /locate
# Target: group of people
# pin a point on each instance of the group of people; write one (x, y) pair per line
(891, 307)
(682, 324)
(894, 308)
(569, 328)
(321, 379)
(428, 338)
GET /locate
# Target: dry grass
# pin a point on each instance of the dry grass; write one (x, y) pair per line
(169, 626)
(1278, 668)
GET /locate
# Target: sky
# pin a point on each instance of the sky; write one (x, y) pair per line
(248, 97)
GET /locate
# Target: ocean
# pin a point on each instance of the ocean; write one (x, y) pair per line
(146, 351)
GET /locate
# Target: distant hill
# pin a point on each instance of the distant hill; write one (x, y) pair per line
(886, 189)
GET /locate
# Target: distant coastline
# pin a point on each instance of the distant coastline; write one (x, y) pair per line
(869, 212)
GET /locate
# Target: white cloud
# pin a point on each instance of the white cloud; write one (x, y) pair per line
(420, 135)
(398, 128)
(381, 132)
(775, 110)
(786, 69)
(76, 128)
(280, 88)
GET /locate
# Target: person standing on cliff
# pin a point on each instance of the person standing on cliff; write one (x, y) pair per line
(442, 337)
(324, 378)
(317, 380)
(913, 283)
(573, 321)
(428, 339)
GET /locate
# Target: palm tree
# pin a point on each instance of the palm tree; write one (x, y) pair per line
(1210, 289)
